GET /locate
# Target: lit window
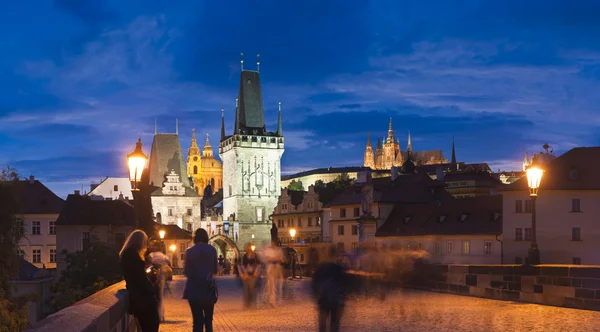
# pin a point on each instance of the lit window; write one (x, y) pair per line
(466, 245)
(52, 255)
(36, 227)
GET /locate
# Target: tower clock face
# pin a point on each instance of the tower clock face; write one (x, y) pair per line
(195, 158)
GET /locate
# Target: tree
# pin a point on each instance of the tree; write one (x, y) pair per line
(13, 311)
(343, 180)
(295, 186)
(87, 272)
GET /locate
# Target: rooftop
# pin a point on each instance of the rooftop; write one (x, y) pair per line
(35, 198)
(82, 210)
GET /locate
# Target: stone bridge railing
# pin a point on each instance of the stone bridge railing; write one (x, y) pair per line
(573, 286)
(105, 310)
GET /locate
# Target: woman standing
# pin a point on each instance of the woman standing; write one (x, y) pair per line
(143, 303)
(200, 287)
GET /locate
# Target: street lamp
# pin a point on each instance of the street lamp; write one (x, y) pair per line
(137, 162)
(292, 234)
(534, 177)
(161, 234)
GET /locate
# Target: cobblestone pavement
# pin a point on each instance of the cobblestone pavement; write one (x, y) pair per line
(403, 311)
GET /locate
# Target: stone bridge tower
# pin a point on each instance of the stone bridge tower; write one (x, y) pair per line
(251, 165)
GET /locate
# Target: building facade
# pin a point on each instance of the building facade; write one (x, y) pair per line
(84, 220)
(111, 188)
(39, 209)
(326, 175)
(251, 164)
(457, 231)
(174, 199)
(301, 211)
(566, 209)
(205, 169)
(388, 154)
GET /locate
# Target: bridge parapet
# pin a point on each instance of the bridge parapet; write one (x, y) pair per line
(574, 286)
(105, 310)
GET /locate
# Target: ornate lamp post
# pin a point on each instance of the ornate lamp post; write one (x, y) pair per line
(137, 162)
(292, 234)
(534, 177)
(161, 234)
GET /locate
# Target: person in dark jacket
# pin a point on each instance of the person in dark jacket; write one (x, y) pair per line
(200, 286)
(143, 301)
(329, 290)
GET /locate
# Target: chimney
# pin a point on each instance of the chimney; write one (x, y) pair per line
(439, 173)
(77, 192)
(394, 173)
(31, 179)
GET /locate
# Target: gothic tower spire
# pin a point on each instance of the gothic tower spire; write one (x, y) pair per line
(409, 147)
(222, 124)
(390, 138)
(369, 141)
(453, 160)
(279, 125)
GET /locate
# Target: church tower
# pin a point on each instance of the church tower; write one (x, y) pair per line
(193, 159)
(369, 156)
(391, 149)
(251, 164)
(205, 169)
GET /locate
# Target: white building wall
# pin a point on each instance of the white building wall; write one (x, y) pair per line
(179, 206)
(112, 188)
(555, 223)
(45, 241)
(438, 250)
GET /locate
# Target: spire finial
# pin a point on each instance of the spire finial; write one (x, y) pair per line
(390, 123)
(409, 147)
(206, 138)
(453, 160)
(279, 124)
(258, 63)
(155, 131)
(193, 134)
(222, 124)
(242, 61)
(177, 126)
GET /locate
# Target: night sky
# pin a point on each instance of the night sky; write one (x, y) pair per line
(82, 79)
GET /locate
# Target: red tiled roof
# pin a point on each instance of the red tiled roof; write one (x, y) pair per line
(585, 164)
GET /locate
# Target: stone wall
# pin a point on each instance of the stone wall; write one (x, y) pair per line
(574, 286)
(102, 311)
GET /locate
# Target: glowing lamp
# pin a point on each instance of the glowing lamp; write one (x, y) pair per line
(137, 162)
(292, 232)
(534, 177)
(253, 247)
(173, 248)
(161, 233)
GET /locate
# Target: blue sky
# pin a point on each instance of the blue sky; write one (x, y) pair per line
(82, 79)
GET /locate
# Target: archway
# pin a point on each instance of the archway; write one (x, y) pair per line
(226, 247)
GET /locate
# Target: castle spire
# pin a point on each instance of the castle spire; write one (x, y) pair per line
(453, 160)
(390, 138)
(222, 124)
(279, 125)
(409, 147)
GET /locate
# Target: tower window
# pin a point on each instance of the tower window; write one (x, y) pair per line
(195, 169)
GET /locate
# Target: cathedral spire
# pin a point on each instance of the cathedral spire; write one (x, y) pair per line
(369, 140)
(409, 147)
(390, 138)
(453, 160)
(279, 125)
(222, 124)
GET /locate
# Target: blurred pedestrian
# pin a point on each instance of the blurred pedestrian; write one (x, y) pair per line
(163, 264)
(221, 261)
(249, 272)
(273, 258)
(329, 289)
(200, 287)
(143, 301)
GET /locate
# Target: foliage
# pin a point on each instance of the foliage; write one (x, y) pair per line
(13, 311)
(295, 186)
(87, 272)
(342, 181)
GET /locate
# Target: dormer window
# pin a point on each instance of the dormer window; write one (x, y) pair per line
(573, 174)
(463, 217)
(442, 218)
(406, 219)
